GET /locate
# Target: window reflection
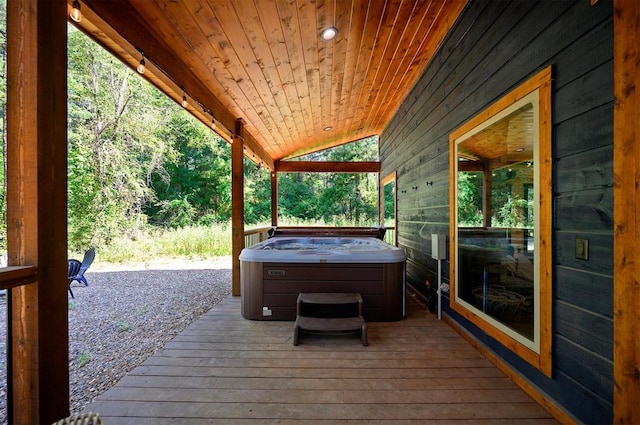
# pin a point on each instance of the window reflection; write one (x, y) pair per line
(496, 217)
(388, 213)
(501, 265)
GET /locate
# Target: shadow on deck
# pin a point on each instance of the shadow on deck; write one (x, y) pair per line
(224, 369)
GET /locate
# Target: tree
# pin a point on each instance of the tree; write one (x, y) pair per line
(469, 199)
(113, 143)
(135, 159)
(350, 196)
(257, 194)
(197, 173)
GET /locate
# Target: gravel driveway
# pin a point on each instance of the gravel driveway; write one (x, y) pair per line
(125, 314)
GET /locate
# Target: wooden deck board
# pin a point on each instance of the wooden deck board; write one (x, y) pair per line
(225, 369)
(350, 384)
(340, 393)
(245, 421)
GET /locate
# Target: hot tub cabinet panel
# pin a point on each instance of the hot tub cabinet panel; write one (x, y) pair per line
(275, 271)
(270, 290)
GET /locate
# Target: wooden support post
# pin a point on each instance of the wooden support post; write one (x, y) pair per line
(38, 378)
(274, 198)
(237, 206)
(626, 209)
(487, 201)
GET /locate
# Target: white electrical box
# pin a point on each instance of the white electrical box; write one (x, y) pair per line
(438, 246)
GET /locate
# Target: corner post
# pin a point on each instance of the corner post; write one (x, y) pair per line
(237, 204)
(274, 197)
(626, 212)
(38, 370)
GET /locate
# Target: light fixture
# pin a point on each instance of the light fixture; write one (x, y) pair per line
(520, 150)
(328, 128)
(142, 65)
(75, 14)
(213, 123)
(329, 33)
(184, 100)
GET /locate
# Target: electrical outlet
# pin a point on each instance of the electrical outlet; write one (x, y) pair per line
(582, 249)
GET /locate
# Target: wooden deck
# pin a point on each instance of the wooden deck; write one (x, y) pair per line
(225, 369)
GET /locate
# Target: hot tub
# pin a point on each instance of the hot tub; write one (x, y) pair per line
(275, 271)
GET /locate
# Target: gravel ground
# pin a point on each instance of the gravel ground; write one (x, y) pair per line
(125, 314)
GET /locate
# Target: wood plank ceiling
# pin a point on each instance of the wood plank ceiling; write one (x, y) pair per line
(263, 61)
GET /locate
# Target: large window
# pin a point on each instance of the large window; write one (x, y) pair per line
(501, 220)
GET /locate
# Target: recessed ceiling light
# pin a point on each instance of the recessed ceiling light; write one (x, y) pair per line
(520, 150)
(329, 33)
(328, 128)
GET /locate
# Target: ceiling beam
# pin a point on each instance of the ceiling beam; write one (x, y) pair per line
(470, 166)
(327, 167)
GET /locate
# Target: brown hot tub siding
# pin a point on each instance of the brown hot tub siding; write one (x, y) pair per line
(277, 285)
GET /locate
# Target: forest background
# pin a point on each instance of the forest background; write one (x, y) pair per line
(146, 179)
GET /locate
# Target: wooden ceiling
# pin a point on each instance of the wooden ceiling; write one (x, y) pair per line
(507, 141)
(263, 61)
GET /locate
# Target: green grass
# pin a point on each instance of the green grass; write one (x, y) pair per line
(187, 242)
(123, 326)
(192, 242)
(83, 359)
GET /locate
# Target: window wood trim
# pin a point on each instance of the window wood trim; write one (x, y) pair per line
(541, 82)
(392, 177)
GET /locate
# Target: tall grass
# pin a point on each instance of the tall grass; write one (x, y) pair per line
(193, 242)
(187, 242)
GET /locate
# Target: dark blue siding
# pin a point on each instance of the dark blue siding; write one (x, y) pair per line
(495, 46)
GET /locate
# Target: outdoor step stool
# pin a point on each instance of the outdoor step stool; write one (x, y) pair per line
(329, 324)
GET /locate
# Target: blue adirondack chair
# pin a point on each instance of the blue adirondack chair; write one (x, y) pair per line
(76, 269)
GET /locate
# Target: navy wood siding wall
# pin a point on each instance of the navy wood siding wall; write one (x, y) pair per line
(495, 46)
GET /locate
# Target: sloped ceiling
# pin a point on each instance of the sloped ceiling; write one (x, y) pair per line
(262, 61)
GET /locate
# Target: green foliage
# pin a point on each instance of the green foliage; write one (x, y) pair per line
(176, 212)
(469, 199)
(389, 204)
(83, 359)
(508, 208)
(195, 182)
(123, 326)
(332, 197)
(257, 194)
(202, 241)
(297, 193)
(511, 213)
(113, 144)
(146, 179)
(187, 242)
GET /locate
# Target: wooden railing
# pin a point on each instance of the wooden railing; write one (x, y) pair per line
(13, 276)
(254, 236)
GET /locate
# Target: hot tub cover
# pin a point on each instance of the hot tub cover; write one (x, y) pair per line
(323, 250)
